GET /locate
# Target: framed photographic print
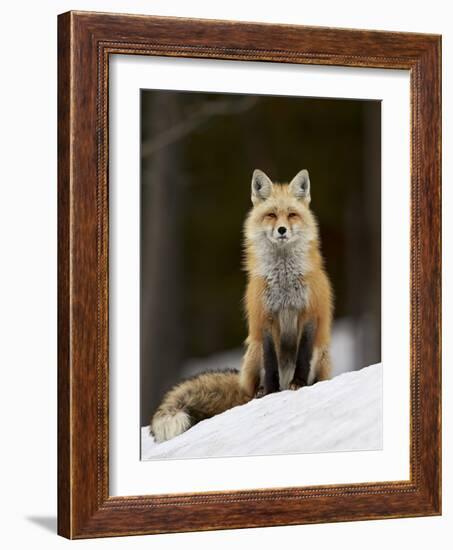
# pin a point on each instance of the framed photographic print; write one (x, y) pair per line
(249, 275)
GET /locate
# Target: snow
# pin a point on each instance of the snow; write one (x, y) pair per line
(342, 414)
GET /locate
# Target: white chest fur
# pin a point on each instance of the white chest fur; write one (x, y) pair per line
(284, 287)
(285, 296)
(283, 270)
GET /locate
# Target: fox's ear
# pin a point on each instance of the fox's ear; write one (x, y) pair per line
(300, 186)
(261, 187)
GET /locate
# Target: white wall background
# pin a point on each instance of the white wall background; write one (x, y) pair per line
(28, 217)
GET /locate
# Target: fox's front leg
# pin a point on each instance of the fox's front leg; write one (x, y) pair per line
(303, 358)
(270, 361)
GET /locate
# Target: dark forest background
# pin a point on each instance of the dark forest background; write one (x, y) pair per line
(197, 157)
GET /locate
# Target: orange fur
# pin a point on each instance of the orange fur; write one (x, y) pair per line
(282, 208)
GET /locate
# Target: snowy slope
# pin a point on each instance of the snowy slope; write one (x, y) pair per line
(342, 414)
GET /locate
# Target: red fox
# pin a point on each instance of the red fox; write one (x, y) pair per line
(288, 305)
(288, 298)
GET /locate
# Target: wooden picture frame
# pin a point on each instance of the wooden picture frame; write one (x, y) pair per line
(85, 42)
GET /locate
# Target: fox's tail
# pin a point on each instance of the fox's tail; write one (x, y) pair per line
(195, 399)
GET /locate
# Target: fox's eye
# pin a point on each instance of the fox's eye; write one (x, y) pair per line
(272, 215)
(292, 215)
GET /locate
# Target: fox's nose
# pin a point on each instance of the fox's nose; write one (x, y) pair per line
(282, 230)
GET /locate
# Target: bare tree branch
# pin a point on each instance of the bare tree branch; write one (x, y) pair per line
(196, 119)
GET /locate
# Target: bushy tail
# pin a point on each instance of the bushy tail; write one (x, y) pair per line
(195, 399)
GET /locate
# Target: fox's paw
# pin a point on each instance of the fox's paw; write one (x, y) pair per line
(260, 392)
(296, 385)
